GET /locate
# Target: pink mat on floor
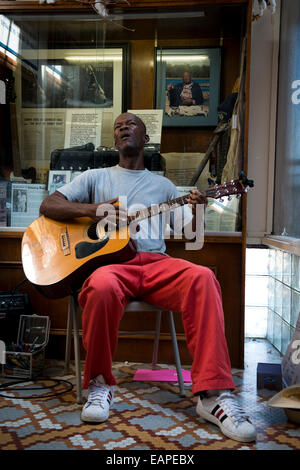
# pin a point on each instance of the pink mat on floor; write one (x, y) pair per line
(161, 375)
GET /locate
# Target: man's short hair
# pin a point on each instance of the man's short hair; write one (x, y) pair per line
(139, 119)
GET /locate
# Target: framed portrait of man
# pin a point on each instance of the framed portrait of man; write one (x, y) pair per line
(188, 85)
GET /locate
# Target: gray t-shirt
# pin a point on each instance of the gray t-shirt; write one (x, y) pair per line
(136, 190)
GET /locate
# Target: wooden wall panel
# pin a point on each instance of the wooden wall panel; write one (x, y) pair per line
(142, 74)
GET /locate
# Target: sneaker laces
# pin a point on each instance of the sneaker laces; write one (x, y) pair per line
(233, 409)
(97, 393)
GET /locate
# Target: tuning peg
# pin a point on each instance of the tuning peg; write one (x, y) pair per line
(238, 196)
(229, 198)
(221, 199)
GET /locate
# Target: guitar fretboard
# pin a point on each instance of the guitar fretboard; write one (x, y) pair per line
(169, 205)
(158, 208)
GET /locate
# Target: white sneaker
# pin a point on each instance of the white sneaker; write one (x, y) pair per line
(224, 411)
(100, 398)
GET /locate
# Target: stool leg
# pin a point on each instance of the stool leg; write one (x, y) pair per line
(76, 348)
(156, 340)
(176, 354)
(68, 338)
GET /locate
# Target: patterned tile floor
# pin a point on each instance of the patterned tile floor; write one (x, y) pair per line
(144, 416)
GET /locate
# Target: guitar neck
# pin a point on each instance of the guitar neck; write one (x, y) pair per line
(159, 208)
(234, 187)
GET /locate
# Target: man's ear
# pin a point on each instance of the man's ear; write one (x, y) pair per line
(147, 138)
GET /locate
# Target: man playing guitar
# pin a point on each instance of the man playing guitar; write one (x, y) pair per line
(172, 284)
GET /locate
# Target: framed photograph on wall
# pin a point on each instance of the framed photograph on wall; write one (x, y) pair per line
(76, 78)
(188, 85)
(55, 84)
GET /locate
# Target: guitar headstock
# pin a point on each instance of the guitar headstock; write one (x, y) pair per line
(232, 188)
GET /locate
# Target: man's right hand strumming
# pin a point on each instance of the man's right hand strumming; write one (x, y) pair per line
(57, 207)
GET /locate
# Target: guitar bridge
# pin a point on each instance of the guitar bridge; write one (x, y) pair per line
(65, 242)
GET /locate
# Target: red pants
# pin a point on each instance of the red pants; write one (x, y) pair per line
(170, 283)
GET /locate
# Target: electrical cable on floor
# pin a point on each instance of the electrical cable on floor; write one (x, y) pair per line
(32, 397)
(7, 386)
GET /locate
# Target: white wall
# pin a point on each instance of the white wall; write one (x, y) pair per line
(262, 123)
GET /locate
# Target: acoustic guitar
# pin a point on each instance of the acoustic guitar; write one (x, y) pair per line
(58, 256)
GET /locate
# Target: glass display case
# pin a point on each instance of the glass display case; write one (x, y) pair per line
(67, 75)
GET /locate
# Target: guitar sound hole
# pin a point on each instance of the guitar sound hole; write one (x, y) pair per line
(92, 231)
